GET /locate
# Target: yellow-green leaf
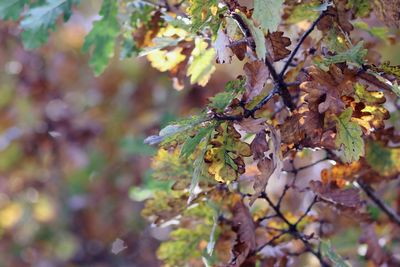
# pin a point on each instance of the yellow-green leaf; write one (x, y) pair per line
(349, 137)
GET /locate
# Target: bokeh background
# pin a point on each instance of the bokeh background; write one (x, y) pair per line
(73, 167)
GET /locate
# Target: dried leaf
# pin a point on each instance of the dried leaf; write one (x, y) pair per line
(267, 150)
(332, 194)
(221, 46)
(276, 45)
(256, 76)
(243, 225)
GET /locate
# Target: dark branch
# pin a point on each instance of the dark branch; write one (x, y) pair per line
(298, 45)
(393, 216)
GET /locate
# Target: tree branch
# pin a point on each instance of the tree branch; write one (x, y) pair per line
(369, 191)
(299, 43)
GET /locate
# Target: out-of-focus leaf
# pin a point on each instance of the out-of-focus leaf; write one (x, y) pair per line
(362, 7)
(330, 193)
(202, 65)
(101, 38)
(39, 20)
(11, 9)
(268, 14)
(378, 32)
(201, 12)
(349, 137)
(327, 251)
(384, 160)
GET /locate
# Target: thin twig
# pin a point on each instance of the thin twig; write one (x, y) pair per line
(299, 43)
(369, 191)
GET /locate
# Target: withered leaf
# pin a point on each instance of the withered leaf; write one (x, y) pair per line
(256, 76)
(243, 225)
(325, 89)
(375, 252)
(221, 45)
(266, 149)
(276, 45)
(239, 49)
(330, 193)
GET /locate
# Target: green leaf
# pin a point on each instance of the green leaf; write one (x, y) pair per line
(258, 37)
(39, 20)
(268, 14)
(349, 137)
(327, 251)
(191, 143)
(354, 55)
(378, 32)
(200, 12)
(382, 159)
(362, 8)
(11, 9)
(102, 37)
(202, 66)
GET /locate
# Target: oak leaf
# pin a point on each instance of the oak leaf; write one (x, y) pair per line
(330, 193)
(276, 45)
(256, 76)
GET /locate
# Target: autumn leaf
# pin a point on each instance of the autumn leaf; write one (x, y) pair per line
(256, 76)
(221, 46)
(267, 153)
(201, 67)
(244, 227)
(332, 194)
(276, 45)
(349, 137)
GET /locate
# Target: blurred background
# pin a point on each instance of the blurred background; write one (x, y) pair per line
(73, 167)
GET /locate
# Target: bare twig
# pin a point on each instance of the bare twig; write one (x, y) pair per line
(369, 191)
(299, 43)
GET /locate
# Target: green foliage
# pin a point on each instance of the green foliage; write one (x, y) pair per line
(39, 20)
(11, 9)
(349, 137)
(361, 7)
(327, 251)
(268, 14)
(191, 143)
(383, 159)
(354, 55)
(201, 13)
(378, 32)
(102, 37)
(185, 243)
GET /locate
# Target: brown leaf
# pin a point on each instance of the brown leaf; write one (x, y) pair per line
(243, 225)
(331, 193)
(256, 76)
(306, 128)
(251, 125)
(375, 252)
(269, 158)
(276, 44)
(325, 89)
(239, 49)
(336, 16)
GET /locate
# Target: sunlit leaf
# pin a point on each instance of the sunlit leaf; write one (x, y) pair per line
(349, 137)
